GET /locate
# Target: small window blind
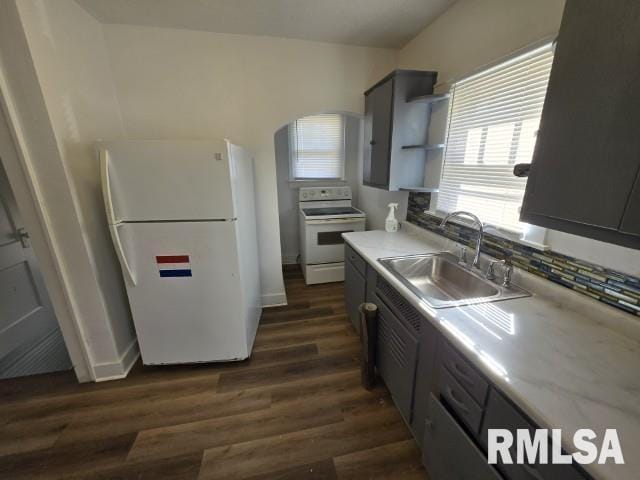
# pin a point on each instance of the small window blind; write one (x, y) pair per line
(493, 123)
(317, 147)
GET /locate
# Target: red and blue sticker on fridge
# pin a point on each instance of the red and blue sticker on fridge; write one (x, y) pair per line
(174, 265)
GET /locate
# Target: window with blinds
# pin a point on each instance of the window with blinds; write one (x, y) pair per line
(317, 147)
(493, 123)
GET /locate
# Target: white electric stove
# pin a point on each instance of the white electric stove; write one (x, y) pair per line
(325, 214)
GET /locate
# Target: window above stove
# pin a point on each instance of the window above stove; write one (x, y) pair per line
(317, 148)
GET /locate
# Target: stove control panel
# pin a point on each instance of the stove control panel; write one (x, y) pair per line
(308, 194)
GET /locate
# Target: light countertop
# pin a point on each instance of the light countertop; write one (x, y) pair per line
(568, 361)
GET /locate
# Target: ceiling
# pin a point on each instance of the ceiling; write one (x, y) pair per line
(375, 23)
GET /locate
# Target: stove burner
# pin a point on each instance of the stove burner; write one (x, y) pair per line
(312, 212)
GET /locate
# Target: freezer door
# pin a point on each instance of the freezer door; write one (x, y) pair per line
(187, 300)
(166, 180)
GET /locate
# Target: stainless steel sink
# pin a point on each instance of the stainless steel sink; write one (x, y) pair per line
(439, 280)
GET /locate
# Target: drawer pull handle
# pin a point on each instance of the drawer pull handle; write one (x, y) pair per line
(462, 374)
(458, 403)
(532, 472)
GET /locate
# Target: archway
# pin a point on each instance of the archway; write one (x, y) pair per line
(288, 183)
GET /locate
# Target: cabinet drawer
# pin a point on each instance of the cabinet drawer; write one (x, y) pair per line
(447, 452)
(356, 260)
(396, 359)
(501, 414)
(460, 401)
(464, 373)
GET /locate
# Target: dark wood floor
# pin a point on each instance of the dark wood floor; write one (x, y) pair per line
(295, 410)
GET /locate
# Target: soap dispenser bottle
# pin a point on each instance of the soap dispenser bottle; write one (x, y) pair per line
(391, 223)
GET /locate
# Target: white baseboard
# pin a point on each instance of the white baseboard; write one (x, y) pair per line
(274, 299)
(130, 357)
(120, 369)
(290, 258)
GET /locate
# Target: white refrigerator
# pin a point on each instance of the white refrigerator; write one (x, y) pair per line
(182, 221)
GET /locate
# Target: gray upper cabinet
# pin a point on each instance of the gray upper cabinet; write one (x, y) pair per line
(587, 157)
(631, 219)
(380, 108)
(397, 111)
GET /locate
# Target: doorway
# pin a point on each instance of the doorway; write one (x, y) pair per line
(319, 135)
(31, 341)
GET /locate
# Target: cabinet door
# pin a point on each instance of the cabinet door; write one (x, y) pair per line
(425, 375)
(382, 100)
(396, 359)
(354, 286)
(631, 219)
(588, 149)
(371, 277)
(501, 414)
(368, 138)
(448, 453)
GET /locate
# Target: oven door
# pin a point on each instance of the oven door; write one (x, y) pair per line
(323, 238)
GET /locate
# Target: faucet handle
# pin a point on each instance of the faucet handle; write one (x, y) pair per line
(491, 269)
(508, 272)
(463, 255)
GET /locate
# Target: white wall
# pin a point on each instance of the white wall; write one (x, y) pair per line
(70, 57)
(194, 85)
(288, 191)
(474, 33)
(374, 202)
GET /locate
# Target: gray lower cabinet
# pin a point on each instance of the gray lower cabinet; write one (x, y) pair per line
(397, 353)
(500, 413)
(448, 453)
(354, 284)
(425, 378)
(371, 277)
(459, 401)
(446, 401)
(464, 373)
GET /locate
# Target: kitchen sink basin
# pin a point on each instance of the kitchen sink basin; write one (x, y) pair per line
(440, 281)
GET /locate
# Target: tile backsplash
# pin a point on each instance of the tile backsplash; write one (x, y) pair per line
(609, 286)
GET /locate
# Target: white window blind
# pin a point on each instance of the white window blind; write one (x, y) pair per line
(493, 122)
(317, 147)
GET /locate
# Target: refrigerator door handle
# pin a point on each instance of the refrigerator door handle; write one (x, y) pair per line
(106, 186)
(115, 236)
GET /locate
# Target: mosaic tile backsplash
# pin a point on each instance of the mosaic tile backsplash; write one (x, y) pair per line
(611, 287)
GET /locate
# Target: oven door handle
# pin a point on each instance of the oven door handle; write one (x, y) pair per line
(330, 221)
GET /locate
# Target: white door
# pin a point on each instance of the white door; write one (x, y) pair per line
(30, 339)
(187, 301)
(166, 180)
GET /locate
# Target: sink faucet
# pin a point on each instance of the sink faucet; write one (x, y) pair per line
(477, 222)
